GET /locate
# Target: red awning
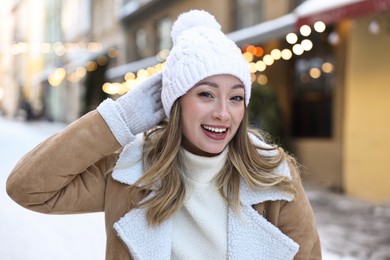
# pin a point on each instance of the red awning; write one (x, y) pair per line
(324, 11)
(265, 31)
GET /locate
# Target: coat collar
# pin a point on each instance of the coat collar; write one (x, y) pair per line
(250, 236)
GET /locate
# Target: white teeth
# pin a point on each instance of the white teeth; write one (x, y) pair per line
(214, 129)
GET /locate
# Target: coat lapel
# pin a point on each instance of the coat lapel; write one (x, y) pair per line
(142, 240)
(250, 235)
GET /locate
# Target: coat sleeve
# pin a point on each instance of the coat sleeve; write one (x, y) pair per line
(67, 172)
(295, 219)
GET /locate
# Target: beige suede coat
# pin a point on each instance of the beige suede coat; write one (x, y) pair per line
(74, 171)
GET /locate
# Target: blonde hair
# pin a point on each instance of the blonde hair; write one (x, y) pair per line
(163, 165)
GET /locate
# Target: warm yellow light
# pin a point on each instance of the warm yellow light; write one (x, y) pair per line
(94, 47)
(248, 56)
(120, 88)
(151, 71)
(252, 67)
(250, 49)
(268, 60)
(307, 45)
(262, 79)
(259, 51)
(286, 54)
(327, 67)
(159, 67)
(81, 72)
(291, 38)
(60, 72)
(59, 49)
(260, 66)
(45, 47)
(142, 74)
(276, 54)
(91, 66)
(20, 47)
(297, 49)
(1, 93)
(129, 76)
(319, 26)
(113, 52)
(70, 47)
(162, 55)
(305, 30)
(73, 77)
(315, 73)
(56, 78)
(254, 50)
(253, 77)
(102, 60)
(109, 88)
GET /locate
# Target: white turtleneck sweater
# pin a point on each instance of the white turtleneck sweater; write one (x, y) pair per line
(200, 226)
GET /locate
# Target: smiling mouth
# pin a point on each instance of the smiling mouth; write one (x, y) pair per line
(215, 130)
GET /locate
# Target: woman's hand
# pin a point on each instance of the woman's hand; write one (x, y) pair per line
(141, 108)
(135, 112)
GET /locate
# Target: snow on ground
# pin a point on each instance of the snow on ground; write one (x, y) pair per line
(29, 235)
(349, 229)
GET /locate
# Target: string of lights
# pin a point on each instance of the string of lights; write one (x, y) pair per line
(58, 48)
(258, 61)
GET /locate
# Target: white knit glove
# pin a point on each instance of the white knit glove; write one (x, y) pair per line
(141, 108)
(135, 112)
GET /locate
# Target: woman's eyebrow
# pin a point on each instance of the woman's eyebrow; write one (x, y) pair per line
(238, 86)
(214, 85)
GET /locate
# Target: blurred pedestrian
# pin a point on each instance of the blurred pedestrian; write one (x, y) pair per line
(175, 166)
(26, 108)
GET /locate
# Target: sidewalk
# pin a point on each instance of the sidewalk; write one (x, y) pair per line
(350, 228)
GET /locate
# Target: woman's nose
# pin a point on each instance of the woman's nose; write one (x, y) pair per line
(221, 112)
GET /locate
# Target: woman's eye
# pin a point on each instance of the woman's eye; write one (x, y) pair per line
(205, 94)
(237, 98)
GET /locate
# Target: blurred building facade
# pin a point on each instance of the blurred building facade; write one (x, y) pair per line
(328, 80)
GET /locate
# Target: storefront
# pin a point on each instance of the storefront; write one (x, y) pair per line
(333, 90)
(356, 148)
(325, 66)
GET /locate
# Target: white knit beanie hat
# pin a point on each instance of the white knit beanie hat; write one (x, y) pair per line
(200, 50)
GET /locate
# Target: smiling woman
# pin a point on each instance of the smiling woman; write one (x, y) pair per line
(212, 111)
(173, 161)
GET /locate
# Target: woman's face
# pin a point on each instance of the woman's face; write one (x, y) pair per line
(211, 113)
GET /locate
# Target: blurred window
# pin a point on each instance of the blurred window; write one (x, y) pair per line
(106, 9)
(164, 27)
(248, 13)
(133, 6)
(314, 81)
(76, 18)
(53, 22)
(142, 42)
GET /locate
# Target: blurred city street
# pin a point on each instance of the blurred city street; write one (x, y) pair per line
(319, 84)
(349, 228)
(29, 235)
